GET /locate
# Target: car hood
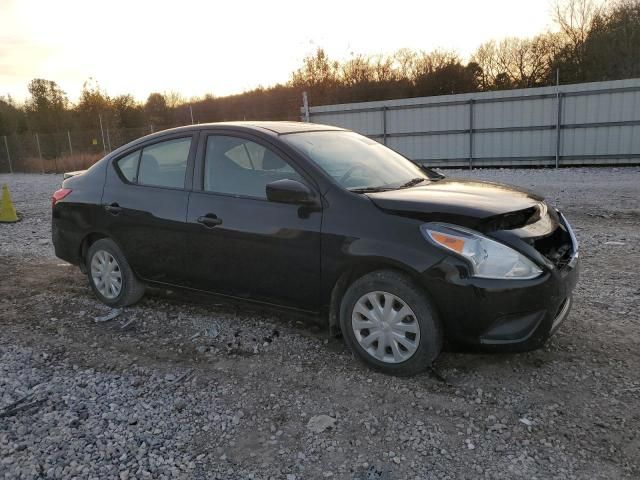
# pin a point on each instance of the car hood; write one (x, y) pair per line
(465, 202)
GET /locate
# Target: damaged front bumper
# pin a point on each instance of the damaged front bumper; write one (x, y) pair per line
(505, 315)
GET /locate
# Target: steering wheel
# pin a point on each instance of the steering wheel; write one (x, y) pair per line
(348, 173)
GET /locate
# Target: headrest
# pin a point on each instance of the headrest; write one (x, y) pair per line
(271, 161)
(149, 162)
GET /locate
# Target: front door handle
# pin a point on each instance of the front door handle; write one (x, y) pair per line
(209, 220)
(113, 209)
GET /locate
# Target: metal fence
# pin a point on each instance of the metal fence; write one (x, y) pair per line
(580, 124)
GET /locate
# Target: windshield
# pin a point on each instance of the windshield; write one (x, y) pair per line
(357, 162)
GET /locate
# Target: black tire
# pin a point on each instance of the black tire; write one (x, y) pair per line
(400, 285)
(131, 289)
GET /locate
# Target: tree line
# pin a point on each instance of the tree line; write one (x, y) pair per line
(593, 42)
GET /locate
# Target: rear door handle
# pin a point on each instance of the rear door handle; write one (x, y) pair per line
(113, 209)
(209, 220)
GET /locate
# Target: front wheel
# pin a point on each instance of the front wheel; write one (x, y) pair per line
(390, 324)
(110, 276)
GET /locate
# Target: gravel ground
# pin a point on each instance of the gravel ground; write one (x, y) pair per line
(154, 393)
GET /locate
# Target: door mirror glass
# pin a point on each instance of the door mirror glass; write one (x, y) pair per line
(289, 191)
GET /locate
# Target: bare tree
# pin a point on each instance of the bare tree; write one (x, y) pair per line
(516, 62)
(404, 62)
(427, 63)
(574, 19)
(356, 71)
(316, 70)
(383, 68)
(486, 56)
(174, 99)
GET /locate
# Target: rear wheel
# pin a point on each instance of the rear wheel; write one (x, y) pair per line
(390, 324)
(110, 276)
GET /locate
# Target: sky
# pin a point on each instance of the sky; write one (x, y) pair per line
(226, 47)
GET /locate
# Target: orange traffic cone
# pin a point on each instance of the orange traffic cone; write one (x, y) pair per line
(7, 210)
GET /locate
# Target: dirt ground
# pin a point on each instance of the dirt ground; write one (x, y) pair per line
(185, 386)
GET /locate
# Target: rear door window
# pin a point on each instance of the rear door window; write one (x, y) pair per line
(128, 166)
(164, 164)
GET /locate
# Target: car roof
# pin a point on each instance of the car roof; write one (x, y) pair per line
(273, 127)
(281, 128)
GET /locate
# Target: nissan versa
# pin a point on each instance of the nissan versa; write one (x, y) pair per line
(397, 257)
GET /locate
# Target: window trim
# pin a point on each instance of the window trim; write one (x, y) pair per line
(202, 154)
(189, 170)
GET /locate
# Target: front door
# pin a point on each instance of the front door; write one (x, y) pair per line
(240, 243)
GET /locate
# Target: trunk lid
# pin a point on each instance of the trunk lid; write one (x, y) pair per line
(66, 175)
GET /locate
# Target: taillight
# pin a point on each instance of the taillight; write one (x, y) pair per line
(59, 195)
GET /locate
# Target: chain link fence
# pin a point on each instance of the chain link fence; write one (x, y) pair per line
(77, 149)
(60, 151)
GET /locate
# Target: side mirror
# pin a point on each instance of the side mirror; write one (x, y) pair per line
(289, 191)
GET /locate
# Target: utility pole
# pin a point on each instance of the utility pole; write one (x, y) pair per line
(104, 145)
(40, 152)
(70, 146)
(559, 117)
(305, 106)
(6, 145)
(471, 134)
(191, 112)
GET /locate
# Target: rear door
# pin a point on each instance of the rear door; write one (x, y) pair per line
(241, 244)
(145, 205)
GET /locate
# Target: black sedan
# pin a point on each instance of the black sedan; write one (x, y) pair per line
(396, 257)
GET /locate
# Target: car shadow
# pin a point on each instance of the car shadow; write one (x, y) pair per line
(454, 359)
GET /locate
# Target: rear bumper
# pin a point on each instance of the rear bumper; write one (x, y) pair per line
(66, 242)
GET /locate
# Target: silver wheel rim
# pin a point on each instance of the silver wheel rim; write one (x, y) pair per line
(385, 327)
(106, 274)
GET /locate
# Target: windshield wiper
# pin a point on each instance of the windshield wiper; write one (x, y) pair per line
(432, 173)
(370, 189)
(412, 182)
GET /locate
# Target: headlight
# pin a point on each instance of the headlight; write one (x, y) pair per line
(488, 258)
